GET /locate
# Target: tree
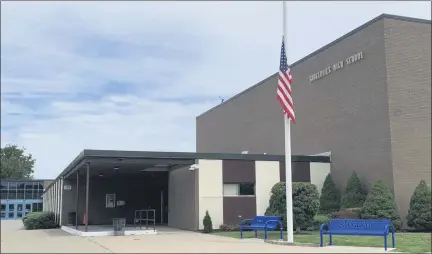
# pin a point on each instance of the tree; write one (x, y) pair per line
(15, 164)
(380, 204)
(354, 194)
(207, 222)
(277, 202)
(419, 213)
(330, 197)
(305, 203)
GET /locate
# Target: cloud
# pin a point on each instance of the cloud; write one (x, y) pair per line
(134, 75)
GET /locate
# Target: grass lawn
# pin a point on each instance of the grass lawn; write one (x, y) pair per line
(405, 242)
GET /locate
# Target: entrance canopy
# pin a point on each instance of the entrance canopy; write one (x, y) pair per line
(110, 162)
(134, 181)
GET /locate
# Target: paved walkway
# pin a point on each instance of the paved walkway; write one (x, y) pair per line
(15, 239)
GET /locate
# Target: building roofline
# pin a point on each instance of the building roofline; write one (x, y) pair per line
(343, 37)
(187, 156)
(25, 180)
(197, 156)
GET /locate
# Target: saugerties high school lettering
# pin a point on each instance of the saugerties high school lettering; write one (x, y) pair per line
(336, 66)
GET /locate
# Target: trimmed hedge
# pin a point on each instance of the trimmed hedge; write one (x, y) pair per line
(330, 197)
(354, 194)
(305, 203)
(39, 220)
(353, 213)
(380, 204)
(207, 222)
(419, 214)
(228, 228)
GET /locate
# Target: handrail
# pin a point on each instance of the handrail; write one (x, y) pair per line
(281, 228)
(138, 217)
(245, 220)
(322, 226)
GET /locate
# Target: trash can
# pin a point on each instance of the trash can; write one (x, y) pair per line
(71, 219)
(119, 225)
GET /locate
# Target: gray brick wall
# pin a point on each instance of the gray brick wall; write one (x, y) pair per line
(408, 62)
(251, 121)
(373, 115)
(332, 112)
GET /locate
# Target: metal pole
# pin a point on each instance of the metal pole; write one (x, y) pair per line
(162, 211)
(87, 195)
(61, 201)
(77, 200)
(288, 171)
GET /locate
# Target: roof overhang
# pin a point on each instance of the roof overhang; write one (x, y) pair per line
(104, 161)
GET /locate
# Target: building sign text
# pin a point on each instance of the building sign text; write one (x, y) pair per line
(336, 66)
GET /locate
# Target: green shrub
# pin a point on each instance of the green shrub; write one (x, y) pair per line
(346, 214)
(305, 203)
(228, 228)
(277, 202)
(207, 222)
(39, 220)
(330, 197)
(318, 220)
(419, 214)
(354, 194)
(380, 204)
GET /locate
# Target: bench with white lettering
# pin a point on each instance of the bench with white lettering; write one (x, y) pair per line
(265, 223)
(358, 228)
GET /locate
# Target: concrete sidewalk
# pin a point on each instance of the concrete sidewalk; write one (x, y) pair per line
(15, 239)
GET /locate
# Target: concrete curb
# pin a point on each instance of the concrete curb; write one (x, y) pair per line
(279, 242)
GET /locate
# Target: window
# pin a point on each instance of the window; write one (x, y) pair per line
(28, 186)
(28, 193)
(3, 194)
(12, 186)
(12, 193)
(38, 186)
(37, 194)
(4, 190)
(239, 189)
(20, 194)
(37, 207)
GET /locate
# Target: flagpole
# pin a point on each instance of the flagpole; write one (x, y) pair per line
(288, 175)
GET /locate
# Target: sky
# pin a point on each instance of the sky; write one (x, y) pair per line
(134, 75)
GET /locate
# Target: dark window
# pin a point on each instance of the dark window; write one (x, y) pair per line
(40, 186)
(20, 194)
(37, 207)
(34, 207)
(29, 186)
(3, 194)
(28, 193)
(28, 208)
(12, 186)
(12, 193)
(246, 189)
(20, 190)
(4, 185)
(20, 186)
(37, 194)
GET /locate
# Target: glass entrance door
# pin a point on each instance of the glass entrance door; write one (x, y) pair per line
(28, 209)
(19, 211)
(3, 211)
(10, 211)
(14, 210)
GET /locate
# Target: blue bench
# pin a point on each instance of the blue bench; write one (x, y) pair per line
(266, 223)
(358, 228)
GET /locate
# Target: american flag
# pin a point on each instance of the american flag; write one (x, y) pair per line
(284, 91)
